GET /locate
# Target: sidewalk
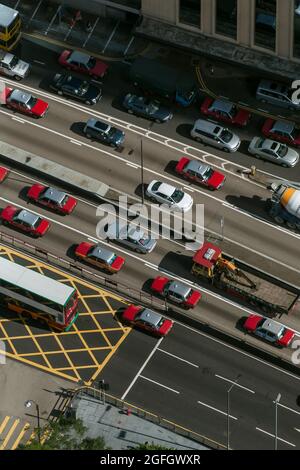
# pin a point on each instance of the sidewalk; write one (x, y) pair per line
(110, 36)
(123, 429)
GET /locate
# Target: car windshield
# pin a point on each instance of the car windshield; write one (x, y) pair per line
(152, 108)
(36, 223)
(259, 143)
(112, 259)
(91, 63)
(144, 241)
(232, 111)
(282, 151)
(209, 172)
(83, 88)
(226, 135)
(14, 61)
(111, 132)
(32, 102)
(177, 195)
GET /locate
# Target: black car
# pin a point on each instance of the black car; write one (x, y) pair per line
(95, 129)
(66, 84)
(145, 107)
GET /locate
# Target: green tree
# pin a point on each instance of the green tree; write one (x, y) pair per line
(65, 434)
(152, 446)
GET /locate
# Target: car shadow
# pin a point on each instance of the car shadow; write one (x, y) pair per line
(70, 252)
(146, 287)
(77, 128)
(170, 167)
(256, 206)
(184, 130)
(23, 194)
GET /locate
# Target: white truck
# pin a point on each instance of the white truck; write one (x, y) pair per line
(11, 66)
(285, 204)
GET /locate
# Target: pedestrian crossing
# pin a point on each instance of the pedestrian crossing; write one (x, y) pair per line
(13, 431)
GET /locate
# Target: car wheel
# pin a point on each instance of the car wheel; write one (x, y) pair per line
(139, 251)
(88, 102)
(17, 77)
(284, 165)
(59, 92)
(158, 121)
(225, 149)
(5, 223)
(199, 140)
(279, 220)
(130, 111)
(291, 225)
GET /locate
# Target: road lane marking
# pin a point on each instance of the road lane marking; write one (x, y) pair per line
(4, 423)
(14, 118)
(150, 266)
(298, 430)
(278, 438)
(9, 434)
(132, 165)
(235, 383)
(177, 357)
(75, 142)
(136, 129)
(287, 408)
(141, 369)
(158, 383)
(216, 409)
(39, 62)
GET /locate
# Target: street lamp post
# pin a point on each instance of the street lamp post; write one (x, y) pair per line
(28, 404)
(142, 172)
(276, 420)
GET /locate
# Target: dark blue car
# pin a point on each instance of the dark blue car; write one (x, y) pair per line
(105, 133)
(145, 107)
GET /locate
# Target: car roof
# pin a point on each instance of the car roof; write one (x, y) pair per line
(136, 233)
(7, 15)
(95, 123)
(272, 327)
(166, 189)
(197, 167)
(80, 57)
(222, 105)
(283, 126)
(271, 85)
(102, 253)
(150, 317)
(6, 57)
(179, 288)
(54, 195)
(20, 96)
(207, 126)
(71, 80)
(27, 217)
(270, 144)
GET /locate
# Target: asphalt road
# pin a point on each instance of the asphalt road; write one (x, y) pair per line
(248, 234)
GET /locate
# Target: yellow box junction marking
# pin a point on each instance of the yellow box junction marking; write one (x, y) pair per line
(68, 354)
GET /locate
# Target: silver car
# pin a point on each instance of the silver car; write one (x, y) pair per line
(11, 66)
(215, 135)
(173, 197)
(273, 151)
(130, 236)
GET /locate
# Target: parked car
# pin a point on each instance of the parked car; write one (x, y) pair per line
(68, 85)
(226, 111)
(99, 257)
(215, 135)
(52, 198)
(24, 220)
(273, 151)
(147, 320)
(83, 63)
(131, 237)
(105, 133)
(284, 131)
(166, 194)
(145, 107)
(12, 66)
(26, 103)
(4, 172)
(276, 93)
(176, 292)
(198, 172)
(269, 330)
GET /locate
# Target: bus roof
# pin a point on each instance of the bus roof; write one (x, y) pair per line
(7, 15)
(34, 282)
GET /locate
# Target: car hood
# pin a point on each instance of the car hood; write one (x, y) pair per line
(159, 283)
(83, 249)
(8, 213)
(100, 68)
(287, 337)
(35, 191)
(186, 202)
(40, 107)
(21, 68)
(162, 113)
(92, 92)
(216, 179)
(118, 135)
(291, 157)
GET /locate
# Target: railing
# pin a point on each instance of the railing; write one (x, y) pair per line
(128, 408)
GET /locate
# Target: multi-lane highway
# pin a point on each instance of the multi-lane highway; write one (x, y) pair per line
(248, 233)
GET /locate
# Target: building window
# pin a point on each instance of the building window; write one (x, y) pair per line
(297, 29)
(226, 18)
(190, 12)
(265, 24)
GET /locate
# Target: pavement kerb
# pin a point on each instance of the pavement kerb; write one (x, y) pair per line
(63, 45)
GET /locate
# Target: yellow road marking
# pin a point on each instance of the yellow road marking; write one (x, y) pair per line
(9, 434)
(4, 423)
(20, 436)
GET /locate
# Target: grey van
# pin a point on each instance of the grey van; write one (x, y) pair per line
(275, 93)
(215, 135)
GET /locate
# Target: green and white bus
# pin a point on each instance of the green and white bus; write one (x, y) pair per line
(38, 296)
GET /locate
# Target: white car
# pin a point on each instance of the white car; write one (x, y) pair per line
(166, 194)
(11, 66)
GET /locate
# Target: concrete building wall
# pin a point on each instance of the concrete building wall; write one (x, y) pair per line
(163, 10)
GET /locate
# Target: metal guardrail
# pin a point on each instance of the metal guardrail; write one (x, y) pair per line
(129, 408)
